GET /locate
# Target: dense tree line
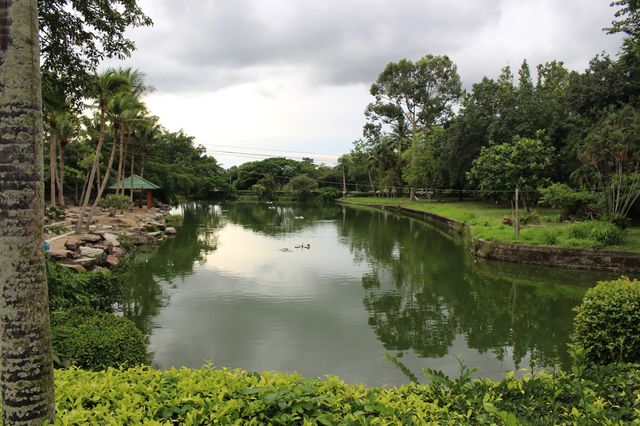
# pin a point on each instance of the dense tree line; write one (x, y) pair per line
(579, 129)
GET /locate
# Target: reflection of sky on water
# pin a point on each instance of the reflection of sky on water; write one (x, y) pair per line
(370, 284)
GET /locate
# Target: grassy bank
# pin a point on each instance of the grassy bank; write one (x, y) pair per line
(543, 228)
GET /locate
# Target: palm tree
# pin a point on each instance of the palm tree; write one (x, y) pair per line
(68, 128)
(107, 86)
(26, 367)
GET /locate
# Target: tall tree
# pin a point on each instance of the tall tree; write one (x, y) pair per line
(421, 94)
(76, 35)
(106, 87)
(26, 370)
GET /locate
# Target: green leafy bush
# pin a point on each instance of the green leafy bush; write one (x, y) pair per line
(55, 213)
(115, 202)
(96, 340)
(604, 395)
(571, 203)
(601, 233)
(302, 187)
(98, 290)
(607, 323)
(328, 195)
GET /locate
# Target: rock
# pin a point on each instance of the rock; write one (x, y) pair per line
(107, 246)
(73, 244)
(118, 252)
(155, 225)
(90, 238)
(170, 230)
(112, 260)
(93, 227)
(140, 240)
(91, 251)
(112, 238)
(60, 254)
(77, 268)
(154, 234)
(86, 262)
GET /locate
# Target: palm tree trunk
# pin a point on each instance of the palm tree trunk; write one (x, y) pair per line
(92, 175)
(103, 185)
(52, 170)
(120, 185)
(26, 367)
(60, 174)
(144, 151)
(131, 175)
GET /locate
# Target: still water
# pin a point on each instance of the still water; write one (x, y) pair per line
(234, 288)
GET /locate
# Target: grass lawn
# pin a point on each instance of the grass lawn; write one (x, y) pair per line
(485, 221)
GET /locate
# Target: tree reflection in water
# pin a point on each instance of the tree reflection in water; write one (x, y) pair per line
(424, 289)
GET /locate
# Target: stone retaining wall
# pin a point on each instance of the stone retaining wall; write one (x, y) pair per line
(575, 258)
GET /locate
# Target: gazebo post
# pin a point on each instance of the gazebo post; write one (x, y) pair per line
(149, 199)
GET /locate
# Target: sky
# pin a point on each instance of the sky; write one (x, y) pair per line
(292, 77)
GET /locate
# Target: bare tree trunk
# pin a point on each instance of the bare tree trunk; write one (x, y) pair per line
(26, 370)
(52, 170)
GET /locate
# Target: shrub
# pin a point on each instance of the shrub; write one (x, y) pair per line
(328, 195)
(302, 187)
(606, 395)
(55, 213)
(601, 233)
(571, 203)
(96, 340)
(98, 289)
(607, 323)
(115, 202)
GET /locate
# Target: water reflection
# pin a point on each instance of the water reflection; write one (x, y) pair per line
(232, 287)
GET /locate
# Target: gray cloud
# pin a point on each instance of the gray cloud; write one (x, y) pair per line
(208, 45)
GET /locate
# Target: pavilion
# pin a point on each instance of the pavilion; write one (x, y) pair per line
(138, 183)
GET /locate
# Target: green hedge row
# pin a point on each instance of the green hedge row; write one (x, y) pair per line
(605, 395)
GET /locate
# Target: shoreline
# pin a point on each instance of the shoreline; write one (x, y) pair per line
(109, 239)
(562, 257)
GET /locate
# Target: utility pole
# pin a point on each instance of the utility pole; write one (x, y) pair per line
(344, 183)
(517, 221)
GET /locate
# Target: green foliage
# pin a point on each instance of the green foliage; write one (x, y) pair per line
(423, 164)
(607, 323)
(524, 164)
(610, 155)
(570, 203)
(302, 187)
(96, 340)
(607, 395)
(328, 195)
(603, 233)
(115, 202)
(98, 290)
(75, 36)
(417, 94)
(57, 229)
(55, 213)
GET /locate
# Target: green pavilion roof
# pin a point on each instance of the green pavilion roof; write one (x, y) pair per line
(136, 182)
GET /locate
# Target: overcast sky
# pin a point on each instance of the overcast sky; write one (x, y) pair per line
(294, 75)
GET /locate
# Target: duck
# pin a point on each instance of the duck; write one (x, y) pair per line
(308, 246)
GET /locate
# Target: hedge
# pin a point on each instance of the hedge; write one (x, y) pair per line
(206, 396)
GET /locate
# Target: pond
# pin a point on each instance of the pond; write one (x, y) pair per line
(330, 291)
